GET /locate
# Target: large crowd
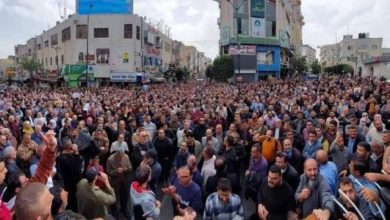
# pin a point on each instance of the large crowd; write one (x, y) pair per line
(297, 149)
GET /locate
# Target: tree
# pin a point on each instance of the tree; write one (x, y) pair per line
(180, 75)
(339, 69)
(30, 65)
(223, 68)
(298, 63)
(316, 67)
(209, 71)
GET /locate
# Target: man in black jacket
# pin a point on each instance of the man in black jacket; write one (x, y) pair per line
(70, 165)
(212, 182)
(289, 173)
(165, 151)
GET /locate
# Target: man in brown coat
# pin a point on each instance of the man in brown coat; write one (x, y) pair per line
(119, 169)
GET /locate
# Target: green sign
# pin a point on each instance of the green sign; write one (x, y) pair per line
(257, 8)
(283, 38)
(252, 40)
(75, 74)
(225, 35)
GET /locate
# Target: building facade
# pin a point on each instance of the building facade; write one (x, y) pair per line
(352, 51)
(309, 53)
(114, 47)
(260, 35)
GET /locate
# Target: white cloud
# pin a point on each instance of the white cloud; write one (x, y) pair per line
(195, 21)
(191, 12)
(327, 21)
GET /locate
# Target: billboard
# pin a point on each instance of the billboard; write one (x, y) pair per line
(257, 8)
(224, 35)
(85, 7)
(258, 27)
(242, 50)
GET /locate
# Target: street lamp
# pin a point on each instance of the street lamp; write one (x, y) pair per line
(87, 60)
(57, 61)
(354, 59)
(236, 9)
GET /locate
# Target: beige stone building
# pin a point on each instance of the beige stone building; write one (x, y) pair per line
(261, 35)
(352, 51)
(309, 53)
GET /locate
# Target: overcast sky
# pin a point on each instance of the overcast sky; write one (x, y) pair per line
(194, 22)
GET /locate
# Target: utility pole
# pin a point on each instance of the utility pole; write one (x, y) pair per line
(236, 9)
(87, 60)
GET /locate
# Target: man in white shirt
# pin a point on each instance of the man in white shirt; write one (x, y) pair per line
(208, 168)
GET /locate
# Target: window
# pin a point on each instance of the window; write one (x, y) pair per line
(158, 42)
(138, 34)
(264, 57)
(271, 29)
(167, 47)
(100, 32)
(81, 57)
(46, 61)
(51, 61)
(128, 31)
(62, 59)
(56, 60)
(81, 31)
(103, 55)
(54, 39)
(46, 43)
(39, 46)
(243, 27)
(66, 34)
(374, 47)
(350, 47)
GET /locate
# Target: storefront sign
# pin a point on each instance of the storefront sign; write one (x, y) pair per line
(243, 50)
(257, 8)
(258, 27)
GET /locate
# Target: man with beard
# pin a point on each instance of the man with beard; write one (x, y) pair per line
(182, 155)
(141, 147)
(200, 129)
(275, 197)
(59, 204)
(314, 192)
(368, 210)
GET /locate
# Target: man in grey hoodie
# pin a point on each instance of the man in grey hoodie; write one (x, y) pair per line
(314, 192)
(142, 196)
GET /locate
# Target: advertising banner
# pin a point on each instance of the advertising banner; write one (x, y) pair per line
(242, 50)
(85, 7)
(225, 35)
(258, 27)
(257, 8)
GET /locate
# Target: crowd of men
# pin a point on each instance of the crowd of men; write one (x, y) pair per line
(296, 149)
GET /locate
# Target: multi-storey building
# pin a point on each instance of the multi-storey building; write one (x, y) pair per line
(115, 46)
(309, 53)
(261, 35)
(352, 51)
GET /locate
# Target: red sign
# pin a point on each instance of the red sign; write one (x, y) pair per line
(152, 51)
(52, 74)
(90, 57)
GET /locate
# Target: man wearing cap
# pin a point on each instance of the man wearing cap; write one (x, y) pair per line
(92, 200)
(118, 169)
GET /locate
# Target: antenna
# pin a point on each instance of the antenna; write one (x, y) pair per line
(59, 3)
(65, 6)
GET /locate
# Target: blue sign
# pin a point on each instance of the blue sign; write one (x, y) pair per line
(85, 7)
